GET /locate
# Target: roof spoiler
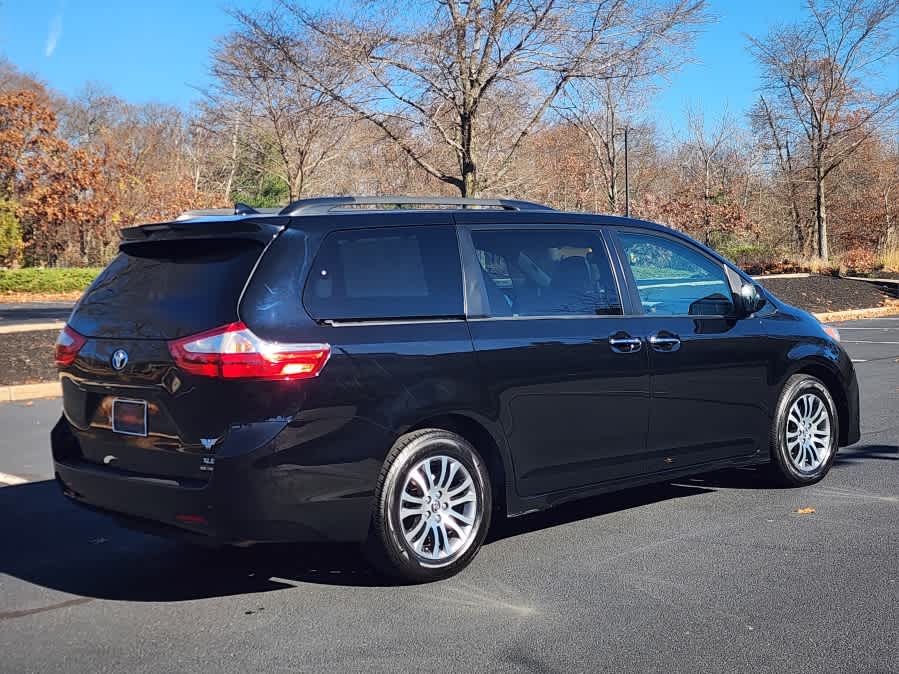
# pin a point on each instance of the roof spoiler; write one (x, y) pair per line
(239, 209)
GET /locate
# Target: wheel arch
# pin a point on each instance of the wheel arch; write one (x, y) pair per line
(477, 433)
(832, 382)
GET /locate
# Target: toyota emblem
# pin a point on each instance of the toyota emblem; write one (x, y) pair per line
(119, 359)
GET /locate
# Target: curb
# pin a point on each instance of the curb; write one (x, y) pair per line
(11, 394)
(873, 280)
(854, 314)
(31, 327)
(798, 274)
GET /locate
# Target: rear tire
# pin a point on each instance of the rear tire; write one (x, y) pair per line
(804, 434)
(432, 508)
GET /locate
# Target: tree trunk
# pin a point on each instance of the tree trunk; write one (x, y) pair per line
(299, 183)
(612, 190)
(469, 186)
(612, 157)
(798, 233)
(891, 232)
(229, 183)
(707, 203)
(821, 214)
(467, 164)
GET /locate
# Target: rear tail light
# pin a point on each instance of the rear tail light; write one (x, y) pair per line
(68, 344)
(234, 352)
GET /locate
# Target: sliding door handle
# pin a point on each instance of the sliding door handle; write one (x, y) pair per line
(621, 342)
(664, 341)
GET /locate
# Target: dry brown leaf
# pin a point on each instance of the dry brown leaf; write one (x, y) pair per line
(804, 511)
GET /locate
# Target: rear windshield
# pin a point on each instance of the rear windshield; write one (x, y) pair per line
(167, 289)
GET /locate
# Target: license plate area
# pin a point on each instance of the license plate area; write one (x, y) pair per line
(129, 417)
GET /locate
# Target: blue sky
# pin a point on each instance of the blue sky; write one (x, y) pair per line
(158, 50)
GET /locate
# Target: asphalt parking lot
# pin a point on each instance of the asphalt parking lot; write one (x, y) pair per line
(707, 574)
(33, 313)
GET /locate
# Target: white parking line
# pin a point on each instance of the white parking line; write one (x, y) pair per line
(859, 360)
(11, 480)
(864, 341)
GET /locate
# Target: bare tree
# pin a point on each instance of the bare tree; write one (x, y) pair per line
(601, 109)
(708, 159)
(93, 110)
(819, 74)
(442, 70)
(709, 197)
(282, 125)
(778, 141)
(13, 79)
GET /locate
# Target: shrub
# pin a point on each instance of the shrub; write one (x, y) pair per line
(57, 280)
(754, 258)
(859, 261)
(10, 233)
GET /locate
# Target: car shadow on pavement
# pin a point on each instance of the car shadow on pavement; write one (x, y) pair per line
(596, 506)
(856, 453)
(757, 477)
(50, 542)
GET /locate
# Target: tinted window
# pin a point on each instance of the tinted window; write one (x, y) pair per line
(673, 278)
(167, 289)
(544, 273)
(396, 272)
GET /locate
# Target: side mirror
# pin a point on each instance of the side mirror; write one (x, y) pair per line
(752, 298)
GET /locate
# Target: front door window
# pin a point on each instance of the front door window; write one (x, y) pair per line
(674, 279)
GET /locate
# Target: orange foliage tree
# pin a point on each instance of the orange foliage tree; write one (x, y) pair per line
(54, 186)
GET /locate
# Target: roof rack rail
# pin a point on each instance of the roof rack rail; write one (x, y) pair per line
(323, 205)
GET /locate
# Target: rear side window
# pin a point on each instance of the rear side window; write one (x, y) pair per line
(167, 289)
(384, 273)
(546, 273)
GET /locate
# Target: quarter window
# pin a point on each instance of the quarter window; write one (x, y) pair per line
(674, 279)
(383, 273)
(545, 273)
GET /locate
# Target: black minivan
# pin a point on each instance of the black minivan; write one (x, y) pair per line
(398, 371)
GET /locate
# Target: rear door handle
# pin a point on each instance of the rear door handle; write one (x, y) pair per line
(664, 341)
(621, 342)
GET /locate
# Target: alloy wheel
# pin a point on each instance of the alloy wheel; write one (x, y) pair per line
(438, 508)
(809, 439)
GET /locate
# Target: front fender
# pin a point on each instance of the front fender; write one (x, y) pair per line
(830, 363)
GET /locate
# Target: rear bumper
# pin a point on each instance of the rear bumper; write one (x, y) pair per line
(249, 497)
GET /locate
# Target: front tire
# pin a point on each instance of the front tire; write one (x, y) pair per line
(433, 506)
(804, 435)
